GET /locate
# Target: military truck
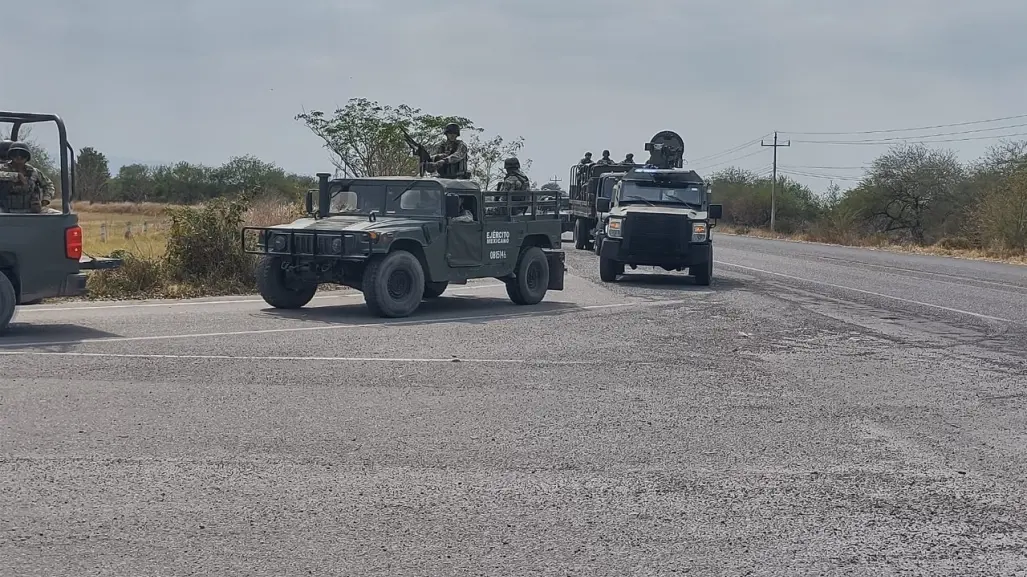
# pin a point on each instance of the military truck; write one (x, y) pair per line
(589, 182)
(402, 239)
(41, 254)
(659, 215)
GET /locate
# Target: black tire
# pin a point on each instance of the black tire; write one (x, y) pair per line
(703, 273)
(598, 245)
(433, 290)
(580, 234)
(532, 280)
(394, 285)
(609, 269)
(277, 289)
(8, 301)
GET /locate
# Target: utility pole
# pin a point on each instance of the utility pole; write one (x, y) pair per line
(555, 180)
(773, 182)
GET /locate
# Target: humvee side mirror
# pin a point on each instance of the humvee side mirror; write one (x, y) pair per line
(309, 202)
(716, 211)
(452, 206)
(602, 204)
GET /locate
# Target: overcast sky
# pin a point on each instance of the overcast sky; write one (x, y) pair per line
(206, 80)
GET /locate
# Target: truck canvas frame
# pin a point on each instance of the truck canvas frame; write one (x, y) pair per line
(402, 239)
(41, 255)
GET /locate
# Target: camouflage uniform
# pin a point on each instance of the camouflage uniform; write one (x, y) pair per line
(515, 181)
(605, 160)
(586, 160)
(451, 156)
(629, 159)
(26, 193)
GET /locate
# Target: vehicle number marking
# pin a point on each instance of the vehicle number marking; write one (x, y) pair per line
(497, 255)
(497, 237)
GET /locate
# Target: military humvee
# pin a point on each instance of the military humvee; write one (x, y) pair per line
(401, 239)
(41, 254)
(659, 215)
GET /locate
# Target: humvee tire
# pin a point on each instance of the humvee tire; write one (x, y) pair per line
(393, 284)
(8, 300)
(433, 290)
(532, 280)
(580, 234)
(703, 273)
(609, 269)
(275, 288)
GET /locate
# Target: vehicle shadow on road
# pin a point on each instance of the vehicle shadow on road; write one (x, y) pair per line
(59, 337)
(444, 309)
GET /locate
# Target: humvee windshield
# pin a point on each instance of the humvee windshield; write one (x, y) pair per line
(409, 198)
(643, 191)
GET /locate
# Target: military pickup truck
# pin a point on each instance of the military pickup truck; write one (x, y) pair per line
(659, 215)
(40, 253)
(402, 239)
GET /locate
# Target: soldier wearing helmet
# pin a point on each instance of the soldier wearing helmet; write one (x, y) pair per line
(29, 191)
(605, 160)
(451, 157)
(629, 159)
(586, 160)
(515, 181)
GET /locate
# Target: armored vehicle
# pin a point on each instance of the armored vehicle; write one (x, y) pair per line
(588, 183)
(40, 252)
(401, 239)
(659, 215)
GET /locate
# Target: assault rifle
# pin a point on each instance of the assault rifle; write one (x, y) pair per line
(419, 151)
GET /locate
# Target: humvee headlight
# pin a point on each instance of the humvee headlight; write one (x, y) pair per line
(613, 227)
(699, 230)
(337, 245)
(279, 242)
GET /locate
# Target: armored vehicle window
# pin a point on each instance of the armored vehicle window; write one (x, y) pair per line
(392, 198)
(607, 190)
(683, 193)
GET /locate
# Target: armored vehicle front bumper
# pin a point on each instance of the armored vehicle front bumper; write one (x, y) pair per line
(659, 240)
(319, 244)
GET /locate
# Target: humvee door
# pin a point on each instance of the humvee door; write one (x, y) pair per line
(464, 239)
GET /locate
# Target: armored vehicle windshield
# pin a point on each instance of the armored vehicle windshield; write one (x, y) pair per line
(403, 198)
(691, 194)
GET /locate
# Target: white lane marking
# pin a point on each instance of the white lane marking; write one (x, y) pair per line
(425, 321)
(176, 303)
(871, 293)
(454, 360)
(949, 278)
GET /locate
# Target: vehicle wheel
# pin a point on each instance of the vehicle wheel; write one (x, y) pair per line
(598, 245)
(279, 288)
(580, 234)
(394, 285)
(703, 273)
(532, 281)
(8, 300)
(609, 269)
(433, 290)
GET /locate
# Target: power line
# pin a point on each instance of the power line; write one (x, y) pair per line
(730, 160)
(898, 138)
(736, 148)
(773, 182)
(914, 129)
(891, 142)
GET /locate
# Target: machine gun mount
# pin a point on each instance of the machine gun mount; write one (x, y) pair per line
(666, 150)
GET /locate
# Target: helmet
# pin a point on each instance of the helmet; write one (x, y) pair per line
(512, 163)
(606, 153)
(588, 154)
(4, 146)
(19, 146)
(452, 128)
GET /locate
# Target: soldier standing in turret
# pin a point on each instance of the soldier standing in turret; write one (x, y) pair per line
(451, 154)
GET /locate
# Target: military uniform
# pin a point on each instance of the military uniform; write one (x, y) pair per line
(451, 155)
(515, 181)
(605, 160)
(629, 159)
(26, 193)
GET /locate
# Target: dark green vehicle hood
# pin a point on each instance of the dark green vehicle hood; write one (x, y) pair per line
(356, 224)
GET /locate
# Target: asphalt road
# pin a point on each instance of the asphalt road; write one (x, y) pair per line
(817, 411)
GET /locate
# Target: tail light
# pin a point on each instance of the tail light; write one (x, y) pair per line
(73, 242)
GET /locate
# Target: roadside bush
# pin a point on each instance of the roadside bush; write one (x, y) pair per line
(204, 253)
